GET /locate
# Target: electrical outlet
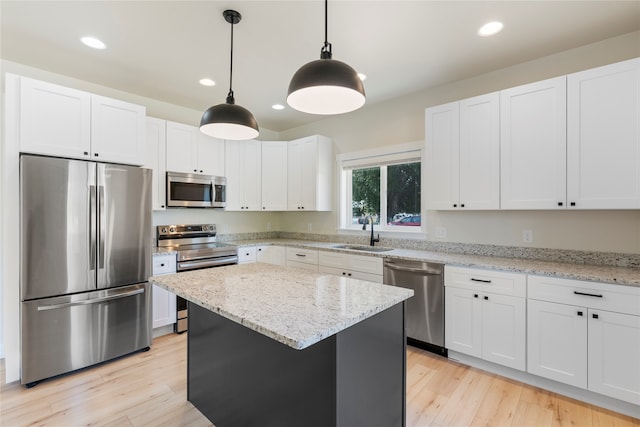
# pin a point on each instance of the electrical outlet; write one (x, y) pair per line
(268, 226)
(527, 236)
(441, 232)
(310, 226)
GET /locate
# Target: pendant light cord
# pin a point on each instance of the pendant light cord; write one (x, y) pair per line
(230, 97)
(325, 52)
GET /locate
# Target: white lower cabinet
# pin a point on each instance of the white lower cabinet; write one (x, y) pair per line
(164, 302)
(585, 334)
(485, 315)
(246, 254)
(271, 254)
(302, 258)
(360, 267)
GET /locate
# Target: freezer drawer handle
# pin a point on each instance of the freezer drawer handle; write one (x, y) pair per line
(425, 271)
(480, 280)
(587, 294)
(90, 301)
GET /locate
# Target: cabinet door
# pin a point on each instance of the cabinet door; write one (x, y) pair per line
(309, 173)
(463, 329)
(614, 355)
(533, 145)
(557, 342)
(117, 131)
(504, 330)
(604, 137)
(272, 255)
(274, 175)
(247, 255)
(209, 155)
(164, 307)
(155, 154)
(480, 152)
(233, 168)
(54, 120)
(294, 175)
(442, 156)
(181, 145)
(252, 174)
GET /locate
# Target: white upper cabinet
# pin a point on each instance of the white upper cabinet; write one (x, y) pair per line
(463, 154)
(442, 132)
(274, 175)
(191, 151)
(309, 174)
(604, 137)
(533, 145)
(156, 160)
(117, 131)
(243, 164)
(60, 121)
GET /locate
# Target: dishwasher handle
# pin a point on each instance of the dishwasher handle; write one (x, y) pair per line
(423, 271)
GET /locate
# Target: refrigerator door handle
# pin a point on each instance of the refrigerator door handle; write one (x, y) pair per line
(91, 301)
(102, 226)
(92, 227)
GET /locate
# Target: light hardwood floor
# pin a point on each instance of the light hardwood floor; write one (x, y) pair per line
(149, 389)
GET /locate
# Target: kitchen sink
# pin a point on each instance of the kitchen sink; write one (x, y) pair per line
(363, 248)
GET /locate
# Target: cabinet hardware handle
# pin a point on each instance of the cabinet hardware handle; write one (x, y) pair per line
(303, 255)
(475, 295)
(162, 265)
(588, 295)
(348, 274)
(480, 280)
(343, 273)
(560, 203)
(579, 313)
(162, 206)
(195, 170)
(486, 298)
(595, 316)
(462, 205)
(95, 154)
(259, 249)
(455, 205)
(264, 207)
(573, 203)
(86, 153)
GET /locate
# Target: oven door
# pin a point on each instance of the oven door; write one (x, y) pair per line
(187, 190)
(195, 264)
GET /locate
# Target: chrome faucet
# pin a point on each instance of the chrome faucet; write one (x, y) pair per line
(373, 240)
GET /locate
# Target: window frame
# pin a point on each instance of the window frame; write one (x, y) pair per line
(384, 156)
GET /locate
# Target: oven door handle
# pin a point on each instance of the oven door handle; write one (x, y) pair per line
(194, 258)
(216, 262)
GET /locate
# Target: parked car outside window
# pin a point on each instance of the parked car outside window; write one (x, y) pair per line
(413, 221)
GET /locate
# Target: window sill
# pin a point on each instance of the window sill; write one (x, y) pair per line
(414, 235)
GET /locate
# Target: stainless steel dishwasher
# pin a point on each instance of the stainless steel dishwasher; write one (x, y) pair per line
(425, 310)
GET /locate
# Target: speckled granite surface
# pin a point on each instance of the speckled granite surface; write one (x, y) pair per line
(295, 307)
(628, 276)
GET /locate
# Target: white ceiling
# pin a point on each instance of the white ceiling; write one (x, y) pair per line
(160, 49)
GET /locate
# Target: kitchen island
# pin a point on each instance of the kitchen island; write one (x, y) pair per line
(276, 346)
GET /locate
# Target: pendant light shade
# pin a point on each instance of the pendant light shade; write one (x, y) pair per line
(326, 86)
(228, 120)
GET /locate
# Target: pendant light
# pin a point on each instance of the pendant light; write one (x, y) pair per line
(229, 121)
(326, 86)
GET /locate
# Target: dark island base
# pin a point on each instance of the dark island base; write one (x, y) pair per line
(240, 378)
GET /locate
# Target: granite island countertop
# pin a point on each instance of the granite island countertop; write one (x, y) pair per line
(293, 306)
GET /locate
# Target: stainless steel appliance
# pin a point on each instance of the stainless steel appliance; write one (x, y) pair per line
(85, 245)
(196, 247)
(425, 310)
(188, 190)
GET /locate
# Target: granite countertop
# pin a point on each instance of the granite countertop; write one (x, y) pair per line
(293, 306)
(627, 276)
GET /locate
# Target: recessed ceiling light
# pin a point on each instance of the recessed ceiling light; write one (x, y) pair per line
(362, 76)
(207, 82)
(490, 29)
(277, 107)
(93, 42)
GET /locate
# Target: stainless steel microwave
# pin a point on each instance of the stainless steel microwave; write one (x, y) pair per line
(188, 190)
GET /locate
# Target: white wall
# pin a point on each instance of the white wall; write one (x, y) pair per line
(402, 120)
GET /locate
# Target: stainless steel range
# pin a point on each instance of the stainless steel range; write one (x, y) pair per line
(196, 247)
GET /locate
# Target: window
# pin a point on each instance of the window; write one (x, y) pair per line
(385, 186)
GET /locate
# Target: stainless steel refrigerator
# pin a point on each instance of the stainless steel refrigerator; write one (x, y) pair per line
(85, 245)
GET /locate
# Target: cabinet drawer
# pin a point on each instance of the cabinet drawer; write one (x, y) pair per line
(246, 254)
(307, 256)
(376, 278)
(303, 265)
(603, 296)
(164, 264)
(365, 264)
(499, 282)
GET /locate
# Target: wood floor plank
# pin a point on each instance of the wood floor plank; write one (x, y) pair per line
(149, 389)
